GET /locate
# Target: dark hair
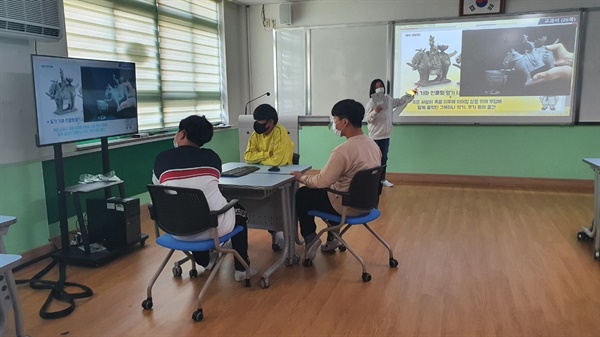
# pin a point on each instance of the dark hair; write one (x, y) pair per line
(265, 112)
(198, 129)
(350, 109)
(372, 87)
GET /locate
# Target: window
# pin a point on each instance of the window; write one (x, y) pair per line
(174, 43)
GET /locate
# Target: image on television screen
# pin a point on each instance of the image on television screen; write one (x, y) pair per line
(108, 94)
(80, 99)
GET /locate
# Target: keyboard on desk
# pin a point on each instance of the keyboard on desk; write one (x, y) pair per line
(239, 171)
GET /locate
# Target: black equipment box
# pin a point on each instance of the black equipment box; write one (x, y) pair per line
(115, 222)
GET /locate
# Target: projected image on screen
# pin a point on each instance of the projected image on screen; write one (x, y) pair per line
(433, 63)
(513, 69)
(517, 61)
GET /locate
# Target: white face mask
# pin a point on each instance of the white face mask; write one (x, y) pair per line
(380, 89)
(175, 140)
(335, 130)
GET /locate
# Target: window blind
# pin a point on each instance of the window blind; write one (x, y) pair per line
(174, 43)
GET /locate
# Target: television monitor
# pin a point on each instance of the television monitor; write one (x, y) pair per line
(509, 69)
(80, 99)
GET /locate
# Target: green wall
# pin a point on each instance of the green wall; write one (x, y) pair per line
(22, 196)
(504, 151)
(28, 190)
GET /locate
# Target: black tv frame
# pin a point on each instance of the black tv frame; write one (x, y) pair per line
(91, 72)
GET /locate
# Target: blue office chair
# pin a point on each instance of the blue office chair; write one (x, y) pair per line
(185, 211)
(363, 194)
(177, 269)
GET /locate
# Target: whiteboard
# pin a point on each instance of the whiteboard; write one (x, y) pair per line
(589, 108)
(291, 72)
(343, 62)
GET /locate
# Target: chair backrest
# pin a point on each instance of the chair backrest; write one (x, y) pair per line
(180, 211)
(365, 189)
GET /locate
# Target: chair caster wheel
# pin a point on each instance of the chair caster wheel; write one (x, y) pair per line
(147, 304)
(366, 277)
(143, 243)
(597, 255)
(342, 248)
(582, 236)
(308, 263)
(177, 271)
(198, 315)
(264, 283)
(393, 263)
(193, 273)
(290, 262)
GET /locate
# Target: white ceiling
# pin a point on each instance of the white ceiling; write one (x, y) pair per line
(265, 2)
(270, 2)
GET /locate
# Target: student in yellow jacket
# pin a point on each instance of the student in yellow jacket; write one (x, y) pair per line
(270, 145)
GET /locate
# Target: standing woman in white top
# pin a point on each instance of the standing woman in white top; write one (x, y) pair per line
(379, 119)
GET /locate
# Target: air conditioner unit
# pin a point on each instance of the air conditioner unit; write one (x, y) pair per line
(32, 19)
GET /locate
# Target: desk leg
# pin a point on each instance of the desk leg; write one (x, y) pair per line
(290, 225)
(12, 290)
(288, 255)
(295, 236)
(593, 232)
(264, 282)
(596, 224)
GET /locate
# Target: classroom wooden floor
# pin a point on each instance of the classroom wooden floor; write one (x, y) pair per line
(472, 262)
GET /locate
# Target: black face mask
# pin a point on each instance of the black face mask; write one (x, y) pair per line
(260, 128)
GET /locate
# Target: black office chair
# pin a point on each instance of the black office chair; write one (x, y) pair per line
(295, 158)
(184, 211)
(363, 194)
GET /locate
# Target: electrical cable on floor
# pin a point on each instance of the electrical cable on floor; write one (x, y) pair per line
(57, 290)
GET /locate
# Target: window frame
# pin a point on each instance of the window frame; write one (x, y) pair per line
(215, 101)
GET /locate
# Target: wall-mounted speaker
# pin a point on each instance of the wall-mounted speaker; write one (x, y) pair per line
(32, 19)
(285, 14)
